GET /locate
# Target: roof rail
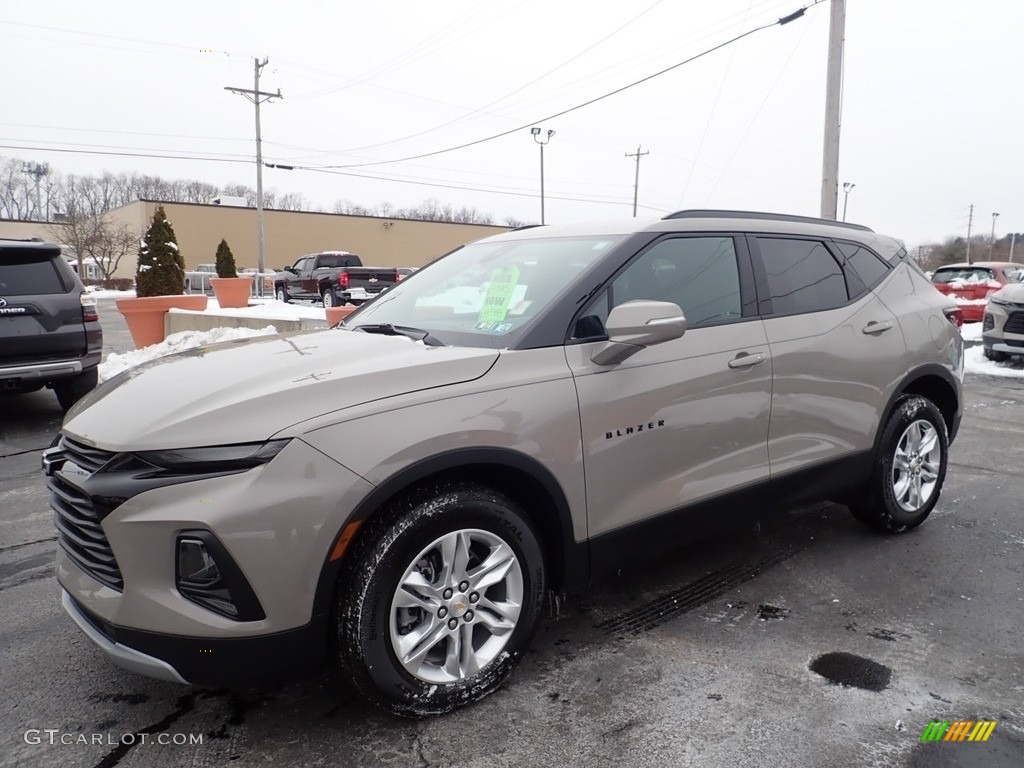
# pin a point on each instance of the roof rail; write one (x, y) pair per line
(706, 213)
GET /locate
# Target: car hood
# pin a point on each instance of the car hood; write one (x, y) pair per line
(1010, 292)
(248, 390)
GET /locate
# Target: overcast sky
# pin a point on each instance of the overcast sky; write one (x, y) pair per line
(932, 111)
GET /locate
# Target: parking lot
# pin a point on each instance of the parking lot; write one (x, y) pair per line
(702, 659)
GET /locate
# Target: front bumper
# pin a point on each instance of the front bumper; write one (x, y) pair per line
(205, 661)
(277, 522)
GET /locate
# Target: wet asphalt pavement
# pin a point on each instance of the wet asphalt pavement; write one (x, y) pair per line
(703, 659)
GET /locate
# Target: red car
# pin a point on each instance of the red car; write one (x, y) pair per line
(970, 284)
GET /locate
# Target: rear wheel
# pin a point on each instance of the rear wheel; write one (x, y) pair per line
(439, 602)
(70, 391)
(281, 294)
(909, 469)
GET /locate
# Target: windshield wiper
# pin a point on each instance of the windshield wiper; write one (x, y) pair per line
(416, 334)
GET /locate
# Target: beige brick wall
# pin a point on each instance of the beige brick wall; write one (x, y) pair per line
(290, 234)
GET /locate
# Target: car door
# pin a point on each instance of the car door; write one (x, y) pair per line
(686, 419)
(299, 279)
(835, 348)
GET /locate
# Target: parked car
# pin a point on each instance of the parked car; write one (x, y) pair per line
(198, 280)
(970, 284)
(533, 409)
(1002, 333)
(49, 328)
(333, 277)
(404, 272)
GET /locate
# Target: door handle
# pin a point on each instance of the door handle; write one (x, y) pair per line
(746, 360)
(874, 327)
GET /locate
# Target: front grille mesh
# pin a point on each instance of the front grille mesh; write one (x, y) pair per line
(79, 531)
(1014, 323)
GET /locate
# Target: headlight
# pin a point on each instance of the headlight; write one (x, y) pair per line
(215, 458)
(999, 302)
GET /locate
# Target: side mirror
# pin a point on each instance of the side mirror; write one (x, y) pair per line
(638, 324)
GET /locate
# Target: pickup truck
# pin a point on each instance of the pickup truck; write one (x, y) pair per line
(334, 277)
(198, 280)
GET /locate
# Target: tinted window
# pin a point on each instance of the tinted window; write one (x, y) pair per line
(867, 268)
(27, 274)
(965, 274)
(802, 276)
(697, 273)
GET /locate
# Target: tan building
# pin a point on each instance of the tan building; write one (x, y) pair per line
(379, 241)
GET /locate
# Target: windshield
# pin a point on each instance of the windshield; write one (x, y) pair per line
(485, 294)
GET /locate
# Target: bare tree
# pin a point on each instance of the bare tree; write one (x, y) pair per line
(90, 234)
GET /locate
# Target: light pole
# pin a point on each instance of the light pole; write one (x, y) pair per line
(847, 186)
(992, 238)
(536, 137)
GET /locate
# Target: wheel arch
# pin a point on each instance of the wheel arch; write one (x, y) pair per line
(521, 478)
(935, 383)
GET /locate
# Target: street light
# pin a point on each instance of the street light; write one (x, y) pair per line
(992, 239)
(536, 137)
(847, 186)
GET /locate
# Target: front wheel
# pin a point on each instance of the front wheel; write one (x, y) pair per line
(908, 470)
(329, 297)
(439, 601)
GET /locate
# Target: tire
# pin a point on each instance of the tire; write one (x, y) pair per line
(996, 357)
(281, 294)
(70, 391)
(474, 634)
(329, 297)
(908, 470)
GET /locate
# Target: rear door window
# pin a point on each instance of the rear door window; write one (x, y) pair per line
(27, 274)
(801, 276)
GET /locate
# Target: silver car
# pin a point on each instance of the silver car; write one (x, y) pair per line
(531, 409)
(1003, 325)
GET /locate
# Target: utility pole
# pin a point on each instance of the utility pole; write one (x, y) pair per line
(38, 172)
(1013, 240)
(636, 182)
(992, 237)
(535, 132)
(833, 103)
(256, 96)
(970, 221)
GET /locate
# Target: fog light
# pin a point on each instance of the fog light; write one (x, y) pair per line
(208, 576)
(195, 564)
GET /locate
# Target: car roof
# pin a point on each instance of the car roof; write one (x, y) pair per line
(717, 221)
(11, 244)
(983, 264)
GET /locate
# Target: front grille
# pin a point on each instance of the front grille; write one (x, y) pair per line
(88, 458)
(80, 534)
(1014, 323)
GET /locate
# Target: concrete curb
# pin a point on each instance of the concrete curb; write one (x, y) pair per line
(178, 320)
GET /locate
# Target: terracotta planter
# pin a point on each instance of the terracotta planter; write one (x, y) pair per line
(336, 314)
(145, 315)
(232, 292)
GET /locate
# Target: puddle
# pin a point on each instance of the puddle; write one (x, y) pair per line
(766, 612)
(851, 670)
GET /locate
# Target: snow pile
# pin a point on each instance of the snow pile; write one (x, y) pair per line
(176, 342)
(970, 302)
(974, 280)
(971, 331)
(268, 309)
(975, 362)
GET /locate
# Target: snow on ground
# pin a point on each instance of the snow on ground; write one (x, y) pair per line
(176, 342)
(975, 362)
(971, 331)
(271, 309)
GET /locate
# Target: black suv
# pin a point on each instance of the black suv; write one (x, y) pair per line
(49, 329)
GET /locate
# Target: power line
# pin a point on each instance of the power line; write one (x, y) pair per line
(127, 154)
(784, 20)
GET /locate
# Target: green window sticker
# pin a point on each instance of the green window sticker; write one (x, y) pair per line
(499, 294)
